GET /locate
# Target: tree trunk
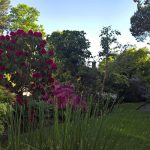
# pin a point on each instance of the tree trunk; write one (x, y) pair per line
(105, 76)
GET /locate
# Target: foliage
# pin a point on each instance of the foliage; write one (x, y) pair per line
(6, 101)
(123, 129)
(129, 74)
(140, 21)
(109, 97)
(24, 17)
(108, 37)
(88, 81)
(26, 64)
(4, 19)
(71, 51)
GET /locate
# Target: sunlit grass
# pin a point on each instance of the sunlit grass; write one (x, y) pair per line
(123, 129)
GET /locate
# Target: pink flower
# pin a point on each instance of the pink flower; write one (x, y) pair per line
(2, 68)
(1, 51)
(8, 55)
(7, 37)
(38, 34)
(19, 53)
(1, 76)
(53, 66)
(65, 96)
(2, 37)
(42, 43)
(24, 34)
(12, 33)
(36, 75)
(19, 100)
(8, 47)
(51, 52)
(30, 32)
(13, 41)
(50, 62)
(19, 32)
(43, 51)
(50, 79)
(45, 97)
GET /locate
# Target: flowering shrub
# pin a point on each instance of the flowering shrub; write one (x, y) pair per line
(26, 64)
(65, 95)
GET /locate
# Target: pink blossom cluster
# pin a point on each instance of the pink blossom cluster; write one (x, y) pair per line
(64, 95)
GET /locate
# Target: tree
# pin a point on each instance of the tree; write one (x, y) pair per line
(24, 17)
(129, 74)
(140, 21)
(108, 37)
(71, 51)
(4, 19)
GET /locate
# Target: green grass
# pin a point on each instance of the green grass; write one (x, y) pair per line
(123, 129)
(130, 126)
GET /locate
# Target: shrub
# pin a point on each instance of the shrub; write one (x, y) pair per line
(64, 95)
(6, 101)
(26, 64)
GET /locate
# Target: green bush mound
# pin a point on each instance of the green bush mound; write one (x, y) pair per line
(7, 99)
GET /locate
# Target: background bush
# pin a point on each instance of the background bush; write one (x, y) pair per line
(7, 99)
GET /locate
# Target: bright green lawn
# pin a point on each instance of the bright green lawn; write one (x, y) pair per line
(130, 128)
(123, 129)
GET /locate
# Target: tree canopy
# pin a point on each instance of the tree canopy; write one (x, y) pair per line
(24, 17)
(140, 21)
(71, 49)
(129, 73)
(108, 36)
(4, 19)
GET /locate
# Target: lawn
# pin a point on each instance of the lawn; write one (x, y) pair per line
(130, 128)
(123, 129)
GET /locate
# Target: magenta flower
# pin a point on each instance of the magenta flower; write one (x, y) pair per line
(2, 68)
(24, 34)
(1, 51)
(7, 37)
(65, 95)
(53, 66)
(30, 32)
(13, 41)
(51, 80)
(37, 34)
(12, 33)
(19, 32)
(1, 76)
(42, 43)
(43, 51)
(51, 52)
(19, 53)
(36, 75)
(50, 62)
(19, 100)
(2, 37)
(45, 97)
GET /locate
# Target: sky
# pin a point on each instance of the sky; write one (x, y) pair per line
(87, 15)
